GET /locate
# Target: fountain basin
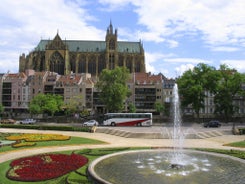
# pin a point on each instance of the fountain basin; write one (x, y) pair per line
(155, 166)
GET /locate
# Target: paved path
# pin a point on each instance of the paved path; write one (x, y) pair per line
(115, 141)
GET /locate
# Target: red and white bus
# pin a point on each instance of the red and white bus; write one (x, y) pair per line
(128, 119)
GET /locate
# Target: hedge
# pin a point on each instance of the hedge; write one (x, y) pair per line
(43, 127)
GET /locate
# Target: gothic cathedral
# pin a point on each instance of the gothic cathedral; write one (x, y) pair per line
(78, 56)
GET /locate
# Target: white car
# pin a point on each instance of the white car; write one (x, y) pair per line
(91, 123)
(28, 121)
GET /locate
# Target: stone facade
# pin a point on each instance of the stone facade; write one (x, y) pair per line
(76, 56)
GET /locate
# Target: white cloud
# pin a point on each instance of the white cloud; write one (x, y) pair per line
(182, 68)
(114, 5)
(187, 60)
(24, 23)
(237, 64)
(219, 21)
(225, 49)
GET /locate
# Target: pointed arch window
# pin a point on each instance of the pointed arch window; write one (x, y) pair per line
(101, 63)
(57, 63)
(92, 65)
(112, 44)
(111, 61)
(82, 64)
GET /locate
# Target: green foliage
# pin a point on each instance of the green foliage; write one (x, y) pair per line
(159, 107)
(225, 84)
(113, 88)
(228, 87)
(46, 103)
(1, 108)
(131, 108)
(74, 105)
(193, 83)
(43, 127)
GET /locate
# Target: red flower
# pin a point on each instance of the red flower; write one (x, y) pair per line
(44, 166)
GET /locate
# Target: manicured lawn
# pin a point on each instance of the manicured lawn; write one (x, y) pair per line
(231, 152)
(75, 177)
(240, 144)
(80, 175)
(71, 141)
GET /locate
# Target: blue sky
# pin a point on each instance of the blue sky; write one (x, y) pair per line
(176, 34)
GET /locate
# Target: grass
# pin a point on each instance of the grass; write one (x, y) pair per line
(80, 176)
(71, 141)
(240, 144)
(76, 177)
(234, 153)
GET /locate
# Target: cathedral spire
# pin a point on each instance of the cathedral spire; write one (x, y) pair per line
(110, 28)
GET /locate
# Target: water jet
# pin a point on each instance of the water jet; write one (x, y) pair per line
(167, 166)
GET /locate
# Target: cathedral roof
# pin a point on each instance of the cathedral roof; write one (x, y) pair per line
(93, 46)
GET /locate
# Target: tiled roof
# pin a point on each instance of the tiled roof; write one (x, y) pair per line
(70, 79)
(93, 46)
(16, 75)
(146, 78)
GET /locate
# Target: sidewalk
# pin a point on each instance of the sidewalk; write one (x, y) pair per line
(116, 141)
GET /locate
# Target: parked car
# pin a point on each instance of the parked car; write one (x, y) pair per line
(7, 121)
(91, 123)
(28, 121)
(213, 123)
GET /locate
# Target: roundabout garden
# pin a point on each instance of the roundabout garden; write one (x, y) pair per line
(68, 167)
(63, 167)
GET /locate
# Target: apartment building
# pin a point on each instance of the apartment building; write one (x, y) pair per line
(14, 92)
(146, 90)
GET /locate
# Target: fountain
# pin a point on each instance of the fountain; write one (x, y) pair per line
(161, 166)
(178, 135)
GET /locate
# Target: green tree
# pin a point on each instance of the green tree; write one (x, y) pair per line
(74, 105)
(229, 86)
(193, 84)
(46, 103)
(131, 108)
(159, 107)
(37, 104)
(1, 109)
(113, 88)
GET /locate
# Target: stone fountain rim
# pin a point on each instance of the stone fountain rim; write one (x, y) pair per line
(94, 175)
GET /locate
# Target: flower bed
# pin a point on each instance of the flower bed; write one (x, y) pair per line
(23, 144)
(45, 166)
(38, 137)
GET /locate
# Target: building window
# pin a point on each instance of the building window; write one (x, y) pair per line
(57, 63)
(92, 65)
(111, 61)
(82, 64)
(111, 44)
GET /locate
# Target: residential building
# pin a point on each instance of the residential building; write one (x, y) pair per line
(14, 92)
(146, 90)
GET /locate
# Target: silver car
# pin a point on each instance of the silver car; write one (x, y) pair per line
(91, 123)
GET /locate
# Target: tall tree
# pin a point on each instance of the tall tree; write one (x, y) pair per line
(37, 104)
(113, 88)
(131, 108)
(74, 105)
(228, 87)
(159, 107)
(46, 103)
(1, 109)
(193, 84)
